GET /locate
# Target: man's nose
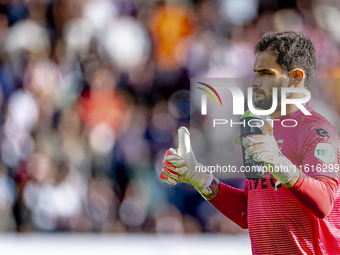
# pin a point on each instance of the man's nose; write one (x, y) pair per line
(256, 82)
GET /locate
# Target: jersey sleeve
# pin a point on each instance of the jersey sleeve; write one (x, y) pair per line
(319, 147)
(316, 194)
(232, 203)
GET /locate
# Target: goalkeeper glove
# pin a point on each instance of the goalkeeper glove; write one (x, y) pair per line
(264, 148)
(181, 165)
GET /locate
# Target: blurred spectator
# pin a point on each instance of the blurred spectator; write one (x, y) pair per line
(168, 25)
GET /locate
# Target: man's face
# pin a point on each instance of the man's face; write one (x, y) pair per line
(268, 75)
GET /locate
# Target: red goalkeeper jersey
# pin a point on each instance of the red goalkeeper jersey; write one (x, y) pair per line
(304, 219)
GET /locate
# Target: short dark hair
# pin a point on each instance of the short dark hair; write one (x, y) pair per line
(293, 49)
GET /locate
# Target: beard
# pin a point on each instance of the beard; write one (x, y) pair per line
(266, 102)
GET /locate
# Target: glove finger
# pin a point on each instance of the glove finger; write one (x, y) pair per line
(260, 147)
(263, 156)
(267, 128)
(172, 164)
(171, 151)
(178, 170)
(173, 161)
(254, 139)
(169, 173)
(168, 180)
(258, 156)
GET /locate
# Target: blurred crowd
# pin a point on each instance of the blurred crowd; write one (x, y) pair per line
(92, 93)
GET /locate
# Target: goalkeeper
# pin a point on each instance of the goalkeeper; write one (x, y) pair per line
(303, 215)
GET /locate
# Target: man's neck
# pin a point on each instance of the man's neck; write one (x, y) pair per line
(289, 109)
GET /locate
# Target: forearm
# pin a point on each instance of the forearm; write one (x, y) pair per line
(316, 194)
(232, 203)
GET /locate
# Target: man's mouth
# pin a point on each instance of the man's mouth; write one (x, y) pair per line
(258, 92)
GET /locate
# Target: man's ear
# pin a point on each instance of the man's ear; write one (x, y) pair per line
(296, 77)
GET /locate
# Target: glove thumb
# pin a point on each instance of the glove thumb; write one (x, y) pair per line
(267, 128)
(184, 146)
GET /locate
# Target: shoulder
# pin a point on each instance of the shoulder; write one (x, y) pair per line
(317, 136)
(316, 125)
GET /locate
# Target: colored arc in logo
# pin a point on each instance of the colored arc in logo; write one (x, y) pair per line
(210, 87)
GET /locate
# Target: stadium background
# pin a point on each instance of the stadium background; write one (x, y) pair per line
(91, 96)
